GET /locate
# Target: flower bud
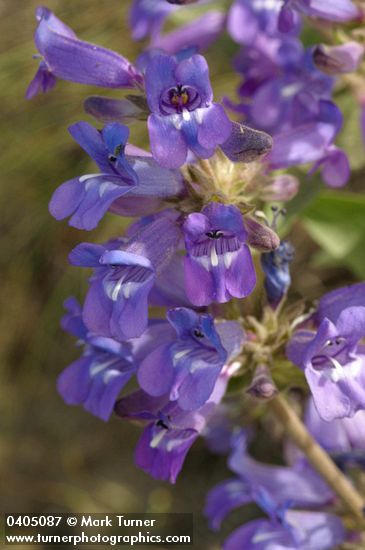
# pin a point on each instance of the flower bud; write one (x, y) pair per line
(124, 110)
(338, 59)
(277, 275)
(281, 188)
(262, 385)
(245, 144)
(261, 236)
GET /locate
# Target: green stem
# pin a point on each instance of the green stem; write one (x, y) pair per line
(318, 458)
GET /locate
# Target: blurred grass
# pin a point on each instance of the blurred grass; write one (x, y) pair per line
(54, 457)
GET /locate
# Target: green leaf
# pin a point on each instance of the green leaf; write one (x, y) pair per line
(336, 222)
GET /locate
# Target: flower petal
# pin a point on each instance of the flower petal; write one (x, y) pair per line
(156, 372)
(167, 143)
(215, 127)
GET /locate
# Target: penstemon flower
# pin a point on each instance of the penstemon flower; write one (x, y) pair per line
(333, 363)
(191, 303)
(68, 58)
(218, 265)
(187, 369)
(183, 116)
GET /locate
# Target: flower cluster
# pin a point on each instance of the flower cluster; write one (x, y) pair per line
(190, 301)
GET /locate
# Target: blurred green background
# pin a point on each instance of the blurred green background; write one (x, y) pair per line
(58, 458)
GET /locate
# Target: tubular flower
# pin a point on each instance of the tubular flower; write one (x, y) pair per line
(183, 116)
(218, 265)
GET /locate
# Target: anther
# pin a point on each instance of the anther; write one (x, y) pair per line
(214, 234)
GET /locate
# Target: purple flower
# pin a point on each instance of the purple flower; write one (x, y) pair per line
(87, 198)
(275, 489)
(297, 531)
(146, 17)
(116, 304)
(187, 368)
(312, 141)
(333, 363)
(218, 265)
(343, 438)
(68, 58)
(275, 265)
(193, 37)
(170, 431)
(337, 10)
(126, 185)
(96, 379)
(333, 303)
(183, 116)
(290, 89)
(272, 487)
(248, 19)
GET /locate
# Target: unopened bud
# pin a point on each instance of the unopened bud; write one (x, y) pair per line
(262, 385)
(281, 188)
(338, 59)
(261, 236)
(275, 265)
(245, 144)
(124, 110)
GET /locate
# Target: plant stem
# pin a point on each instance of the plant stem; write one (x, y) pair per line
(319, 459)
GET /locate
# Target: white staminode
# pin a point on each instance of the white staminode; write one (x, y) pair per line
(214, 256)
(179, 355)
(96, 367)
(177, 121)
(199, 115)
(291, 90)
(339, 372)
(127, 289)
(186, 115)
(87, 177)
(90, 182)
(104, 187)
(227, 258)
(115, 292)
(157, 439)
(267, 4)
(261, 537)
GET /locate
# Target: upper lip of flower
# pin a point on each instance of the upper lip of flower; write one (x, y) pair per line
(324, 359)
